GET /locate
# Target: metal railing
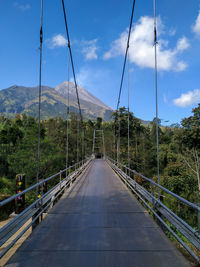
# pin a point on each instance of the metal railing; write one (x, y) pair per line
(35, 210)
(161, 212)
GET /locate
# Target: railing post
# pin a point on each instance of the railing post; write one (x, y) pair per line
(37, 221)
(152, 192)
(38, 206)
(20, 186)
(69, 171)
(198, 217)
(60, 179)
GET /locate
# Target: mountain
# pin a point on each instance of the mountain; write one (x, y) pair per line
(83, 94)
(21, 99)
(147, 123)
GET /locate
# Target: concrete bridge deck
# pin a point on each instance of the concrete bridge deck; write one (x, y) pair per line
(98, 223)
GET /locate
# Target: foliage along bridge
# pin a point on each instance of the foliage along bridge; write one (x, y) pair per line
(98, 221)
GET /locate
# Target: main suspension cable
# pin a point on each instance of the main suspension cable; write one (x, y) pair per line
(39, 97)
(125, 59)
(72, 63)
(156, 92)
(122, 77)
(128, 72)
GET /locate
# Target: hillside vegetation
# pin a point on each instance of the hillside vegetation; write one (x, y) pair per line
(20, 99)
(179, 151)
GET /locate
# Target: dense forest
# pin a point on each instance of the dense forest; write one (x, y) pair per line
(179, 150)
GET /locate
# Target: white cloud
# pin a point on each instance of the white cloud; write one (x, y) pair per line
(90, 49)
(22, 7)
(141, 49)
(196, 26)
(56, 41)
(165, 99)
(172, 32)
(182, 44)
(191, 97)
(180, 66)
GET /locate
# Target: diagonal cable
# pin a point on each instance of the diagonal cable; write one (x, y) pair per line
(122, 78)
(70, 52)
(126, 53)
(39, 97)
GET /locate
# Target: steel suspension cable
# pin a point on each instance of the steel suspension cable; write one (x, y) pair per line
(67, 122)
(125, 59)
(72, 62)
(118, 141)
(77, 140)
(114, 139)
(156, 92)
(39, 96)
(122, 77)
(83, 142)
(74, 75)
(128, 71)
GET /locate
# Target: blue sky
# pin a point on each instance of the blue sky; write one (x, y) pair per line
(98, 31)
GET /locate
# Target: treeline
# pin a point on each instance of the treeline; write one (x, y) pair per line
(179, 150)
(179, 157)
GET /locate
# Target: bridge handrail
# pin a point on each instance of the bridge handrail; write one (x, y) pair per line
(185, 201)
(7, 200)
(39, 206)
(159, 209)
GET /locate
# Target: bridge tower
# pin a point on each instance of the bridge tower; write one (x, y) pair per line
(98, 148)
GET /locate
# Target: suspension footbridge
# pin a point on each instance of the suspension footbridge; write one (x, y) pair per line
(97, 212)
(98, 222)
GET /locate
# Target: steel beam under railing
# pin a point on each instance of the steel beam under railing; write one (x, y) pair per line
(162, 213)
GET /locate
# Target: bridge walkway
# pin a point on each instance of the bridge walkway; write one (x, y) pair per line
(98, 223)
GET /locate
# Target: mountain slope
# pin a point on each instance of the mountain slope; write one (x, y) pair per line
(19, 99)
(84, 95)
